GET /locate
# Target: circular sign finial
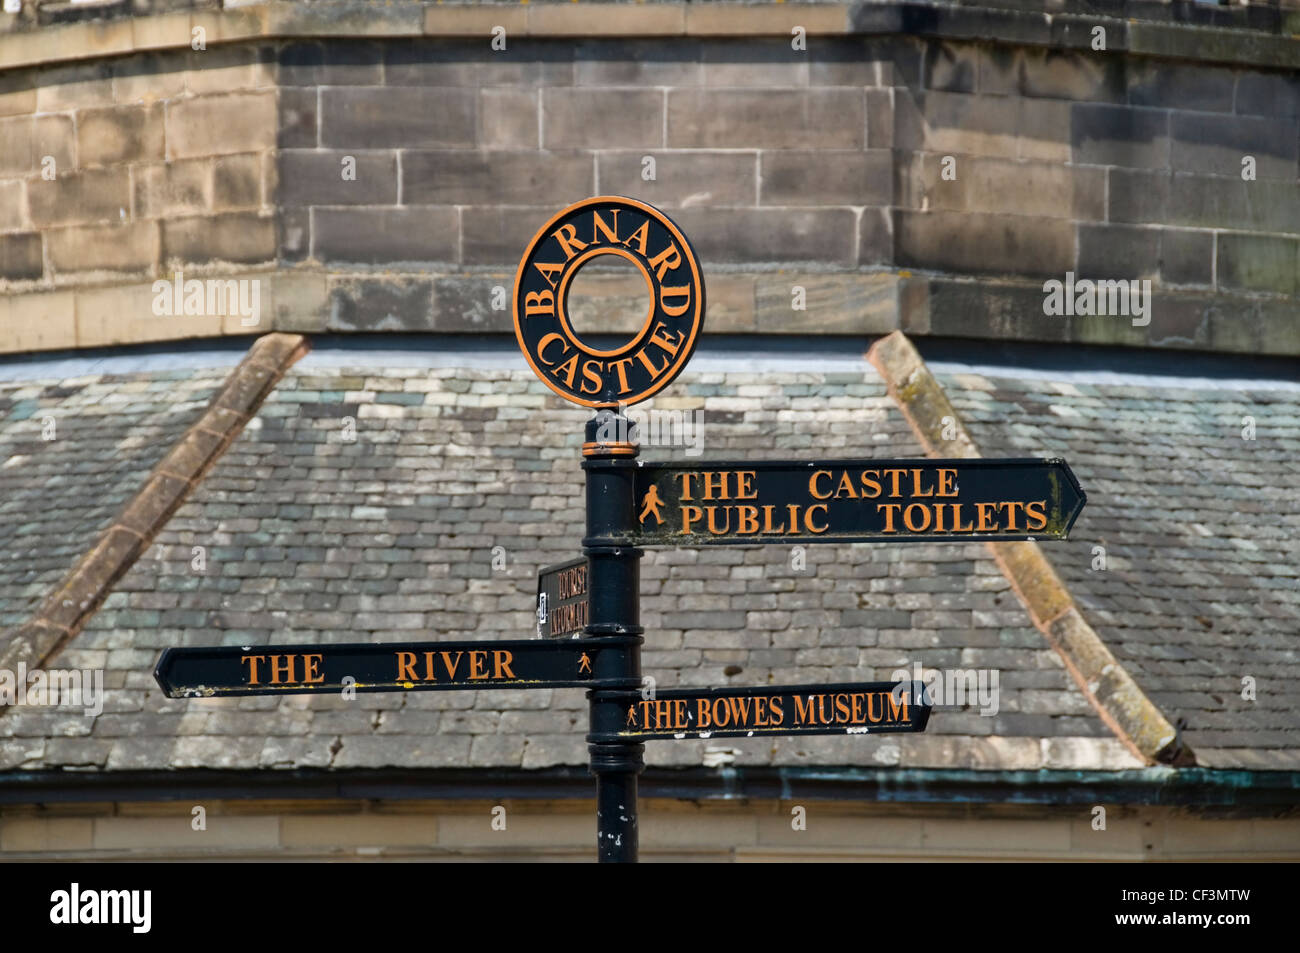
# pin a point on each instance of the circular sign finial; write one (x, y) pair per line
(643, 366)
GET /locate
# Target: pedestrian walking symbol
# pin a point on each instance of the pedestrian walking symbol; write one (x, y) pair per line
(650, 504)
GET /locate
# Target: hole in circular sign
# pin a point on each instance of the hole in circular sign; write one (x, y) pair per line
(610, 301)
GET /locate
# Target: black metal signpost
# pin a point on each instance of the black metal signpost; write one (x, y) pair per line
(588, 612)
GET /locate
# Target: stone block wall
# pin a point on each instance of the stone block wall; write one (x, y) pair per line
(115, 173)
(903, 178)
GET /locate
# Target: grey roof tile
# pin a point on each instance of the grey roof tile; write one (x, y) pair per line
(311, 539)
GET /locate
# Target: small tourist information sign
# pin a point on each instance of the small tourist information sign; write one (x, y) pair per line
(562, 600)
(588, 609)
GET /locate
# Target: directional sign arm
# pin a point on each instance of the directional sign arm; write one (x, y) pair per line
(378, 667)
(839, 501)
(839, 709)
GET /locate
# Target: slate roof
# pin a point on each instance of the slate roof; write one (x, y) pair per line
(106, 431)
(310, 538)
(1201, 531)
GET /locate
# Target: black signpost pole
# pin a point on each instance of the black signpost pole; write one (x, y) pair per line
(609, 457)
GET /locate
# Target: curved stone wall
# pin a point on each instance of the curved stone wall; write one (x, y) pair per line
(841, 168)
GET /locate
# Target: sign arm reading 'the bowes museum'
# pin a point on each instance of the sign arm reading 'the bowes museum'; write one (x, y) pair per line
(588, 625)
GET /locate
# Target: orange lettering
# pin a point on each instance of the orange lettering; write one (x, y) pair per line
(947, 482)
(659, 336)
(812, 485)
(312, 673)
(746, 519)
(567, 236)
(778, 714)
(845, 488)
(685, 477)
(675, 291)
(745, 485)
(907, 517)
(870, 485)
(598, 225)
(726, 527)
(282, 665)
(591, 376)
(539, 302)
(252, 661)
(666, 260)
(916, 485)
(621, 367)
(895, 708)
(715, 482)
(640, 236)
(406, 667)
(547, 269)
(893, 475)
(808, 521)
(541, 346)
(477, 661)
(803, 713)
(841, 708)
(644, 358)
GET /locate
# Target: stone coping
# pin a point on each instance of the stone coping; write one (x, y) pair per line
(303, 301)
(1118, 700)
(83, 590)
(1221, 38)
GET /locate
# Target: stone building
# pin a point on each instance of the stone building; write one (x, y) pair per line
(359, 180)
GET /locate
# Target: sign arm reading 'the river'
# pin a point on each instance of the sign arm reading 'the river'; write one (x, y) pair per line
(373, 667)
(837, 501)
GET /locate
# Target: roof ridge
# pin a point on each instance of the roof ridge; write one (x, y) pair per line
(80, 593)
(1120, 702)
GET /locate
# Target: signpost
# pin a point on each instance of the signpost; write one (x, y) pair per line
(563, 605)
(588, 609)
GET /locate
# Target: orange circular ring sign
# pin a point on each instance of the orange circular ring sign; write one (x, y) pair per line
(643, 366)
